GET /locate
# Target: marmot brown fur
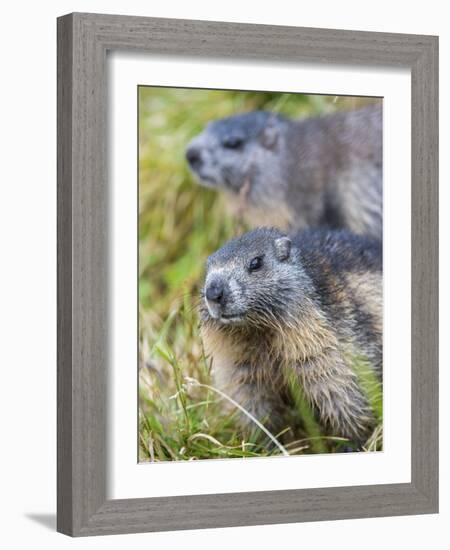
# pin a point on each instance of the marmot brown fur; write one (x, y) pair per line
(306, 306)
(295, 174)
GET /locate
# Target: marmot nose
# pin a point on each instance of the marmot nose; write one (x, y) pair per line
(193, 156)
(215, 292)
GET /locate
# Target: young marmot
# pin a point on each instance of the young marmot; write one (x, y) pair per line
(307, 306)
(294, 174)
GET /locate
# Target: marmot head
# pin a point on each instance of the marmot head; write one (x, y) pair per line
(233, 150)
(255, 280)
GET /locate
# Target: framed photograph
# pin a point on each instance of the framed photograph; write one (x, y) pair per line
(247, 274)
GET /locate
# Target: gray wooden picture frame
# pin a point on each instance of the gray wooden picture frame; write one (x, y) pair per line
(83, 42)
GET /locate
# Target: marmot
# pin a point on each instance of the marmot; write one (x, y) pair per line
(295, 174)
(307, 306)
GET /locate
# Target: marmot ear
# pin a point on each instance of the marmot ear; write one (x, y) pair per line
(269, 137)
(283, 248)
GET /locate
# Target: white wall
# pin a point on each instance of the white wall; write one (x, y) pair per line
(27, 292)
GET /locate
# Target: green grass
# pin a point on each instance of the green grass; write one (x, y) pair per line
(182, 417)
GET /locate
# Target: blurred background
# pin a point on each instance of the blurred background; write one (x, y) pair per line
(181, 415)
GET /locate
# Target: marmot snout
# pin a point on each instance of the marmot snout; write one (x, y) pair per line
(305, 305)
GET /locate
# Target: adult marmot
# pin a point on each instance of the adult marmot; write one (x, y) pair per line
(307, 306)
(324, 171)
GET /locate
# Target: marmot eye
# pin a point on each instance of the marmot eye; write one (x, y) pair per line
(233, 142)
(255, 264)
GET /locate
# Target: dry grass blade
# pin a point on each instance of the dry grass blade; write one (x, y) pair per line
(244, 411)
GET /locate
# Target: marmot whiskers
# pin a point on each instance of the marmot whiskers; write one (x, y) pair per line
(306, 306)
